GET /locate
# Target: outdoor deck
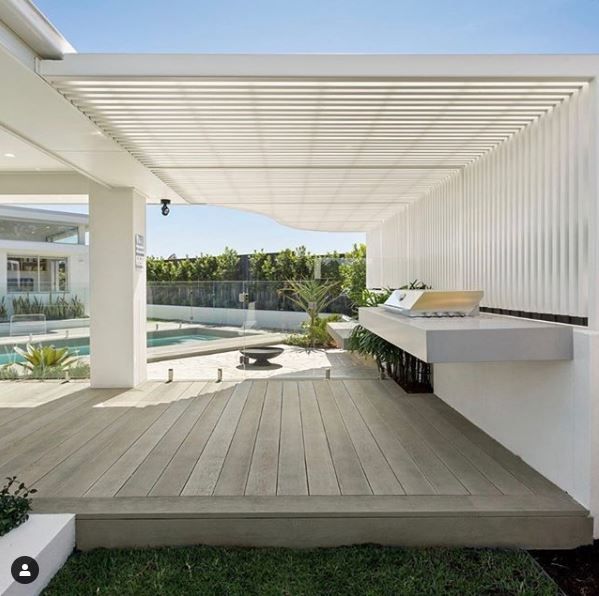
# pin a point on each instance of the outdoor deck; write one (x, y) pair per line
(274, 462)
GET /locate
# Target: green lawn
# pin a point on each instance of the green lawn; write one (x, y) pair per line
(345, 571)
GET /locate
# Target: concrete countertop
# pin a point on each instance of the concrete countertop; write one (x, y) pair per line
(484, 338)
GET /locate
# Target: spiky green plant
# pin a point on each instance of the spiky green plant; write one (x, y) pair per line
(313, 297)
(41, 358)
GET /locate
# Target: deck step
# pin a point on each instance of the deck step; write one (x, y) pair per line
(526, 521)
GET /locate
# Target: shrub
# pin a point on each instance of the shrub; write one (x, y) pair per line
(371, 298)
(15, 504)
(353, 273)
(41, 360)
(8, 373)
(316, 336)
(409, 372)
(312, 297)
(55, 309)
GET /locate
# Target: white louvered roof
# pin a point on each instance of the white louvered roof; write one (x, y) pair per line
(324, 153)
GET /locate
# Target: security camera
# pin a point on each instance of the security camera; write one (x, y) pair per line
(165, 206)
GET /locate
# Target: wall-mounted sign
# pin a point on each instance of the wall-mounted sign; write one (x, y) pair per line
(140, 251)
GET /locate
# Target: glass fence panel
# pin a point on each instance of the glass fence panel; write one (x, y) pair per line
(45, 334)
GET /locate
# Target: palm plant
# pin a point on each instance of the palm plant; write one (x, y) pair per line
(313, 297)
(39, 359)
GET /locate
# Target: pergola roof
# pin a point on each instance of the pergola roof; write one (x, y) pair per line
(318, 152)
(323, 142)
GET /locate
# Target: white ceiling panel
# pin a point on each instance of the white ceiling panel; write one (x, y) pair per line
(321, 153)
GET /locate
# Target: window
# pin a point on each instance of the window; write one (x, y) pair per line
(37, 231)
(37, 274)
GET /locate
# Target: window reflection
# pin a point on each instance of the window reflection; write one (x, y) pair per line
(37, 274)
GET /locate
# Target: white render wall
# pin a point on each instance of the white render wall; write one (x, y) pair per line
(514, 223)
(545, 412)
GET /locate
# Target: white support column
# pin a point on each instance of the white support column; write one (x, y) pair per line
(592, 364)
(117, 288)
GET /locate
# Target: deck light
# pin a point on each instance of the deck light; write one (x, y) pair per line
(165, 206)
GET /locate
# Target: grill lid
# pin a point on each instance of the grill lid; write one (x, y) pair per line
(434, 303)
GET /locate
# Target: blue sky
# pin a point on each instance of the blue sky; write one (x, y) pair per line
(281, 26)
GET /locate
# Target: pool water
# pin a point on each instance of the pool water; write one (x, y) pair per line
(81, 346)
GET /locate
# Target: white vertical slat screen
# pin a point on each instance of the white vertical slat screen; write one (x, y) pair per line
(513, 223)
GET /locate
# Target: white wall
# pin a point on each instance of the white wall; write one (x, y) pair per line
(236, 317)
(545, 412)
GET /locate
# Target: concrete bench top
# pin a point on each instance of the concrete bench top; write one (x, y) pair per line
(484, 338)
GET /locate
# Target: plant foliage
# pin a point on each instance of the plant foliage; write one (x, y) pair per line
(312, 297)
(316, 336)
(39, 359)
(15, 504)
(353, 274)
(57, 308)
(409, 372)
(3, 310)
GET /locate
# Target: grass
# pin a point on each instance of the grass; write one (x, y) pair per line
(357, 570)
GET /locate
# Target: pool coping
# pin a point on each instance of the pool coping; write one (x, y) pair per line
(215, 346)
(249, 338)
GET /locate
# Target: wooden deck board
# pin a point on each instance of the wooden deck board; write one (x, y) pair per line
(77, 473)
(143, 479)
(206, 472)
(320, 470)
(380, 476)
(113, 479)
(470, 477)
(264, 468)
(291, 478)
(241, 462)
(351, 477)
(35, 442)
(175, 475)
(44, 462)
(408, 473)
(433, 468)
(503, 479)
(236, 467)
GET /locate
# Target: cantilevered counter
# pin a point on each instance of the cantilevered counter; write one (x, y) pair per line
(484, 338)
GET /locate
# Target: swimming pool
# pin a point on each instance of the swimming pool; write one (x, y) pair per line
(80, 345)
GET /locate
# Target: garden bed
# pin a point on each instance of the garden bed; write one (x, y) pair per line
(576, 571)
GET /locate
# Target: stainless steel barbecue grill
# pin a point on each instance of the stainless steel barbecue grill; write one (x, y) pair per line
(434, 303)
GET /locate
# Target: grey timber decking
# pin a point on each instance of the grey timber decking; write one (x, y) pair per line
(274, 462)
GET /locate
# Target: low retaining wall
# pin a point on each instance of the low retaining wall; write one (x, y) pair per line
(250, 318)
(52, 325)
(47, 538)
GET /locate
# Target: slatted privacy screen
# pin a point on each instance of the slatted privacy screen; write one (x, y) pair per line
(513, 222)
